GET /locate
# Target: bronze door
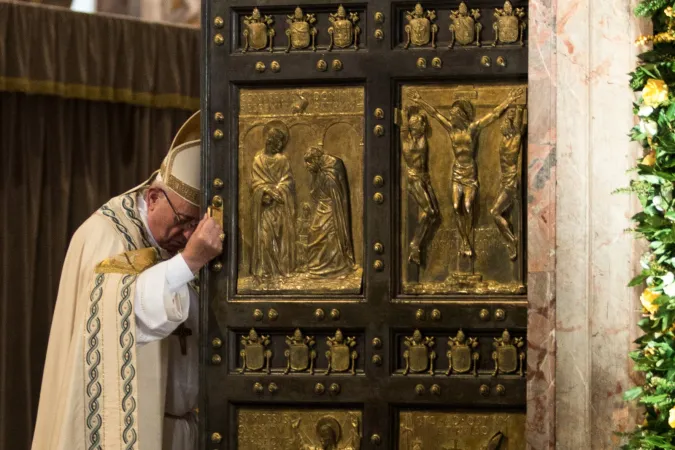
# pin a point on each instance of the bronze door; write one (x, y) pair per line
(367, 159)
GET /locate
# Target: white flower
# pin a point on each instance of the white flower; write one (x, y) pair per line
(668, 278)
(645, 111)
(669, 290)
(645, 260)
(658, 203)
(648, 127)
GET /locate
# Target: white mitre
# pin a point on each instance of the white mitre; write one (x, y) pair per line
(181, 169)
(182, 166)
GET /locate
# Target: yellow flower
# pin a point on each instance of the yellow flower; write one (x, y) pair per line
(647, 299)
(668, 11)
(643, 40)
(671, 418)
(655, 92)
(649, 159)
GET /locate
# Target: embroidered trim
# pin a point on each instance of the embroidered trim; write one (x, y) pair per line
(93, 360)
(106, 211)
(129, 205)
(128, 371)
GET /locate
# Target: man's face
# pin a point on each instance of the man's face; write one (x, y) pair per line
(170, 229)
(274, 143)
(311, 165)
(327, 437)
(511, 114)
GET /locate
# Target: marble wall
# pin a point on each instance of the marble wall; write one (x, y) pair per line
(582, 317)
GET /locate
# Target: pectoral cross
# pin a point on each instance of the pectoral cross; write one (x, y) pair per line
(182, 332)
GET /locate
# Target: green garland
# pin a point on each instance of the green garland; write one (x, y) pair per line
(655, 110)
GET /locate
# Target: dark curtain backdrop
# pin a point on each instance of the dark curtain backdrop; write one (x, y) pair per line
(61, 159)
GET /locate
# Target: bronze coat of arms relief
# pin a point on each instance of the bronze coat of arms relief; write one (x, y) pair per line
(464, 26)
(344, 30)
(421, 29)
(301, 32)
(258, 34)
(510, 25)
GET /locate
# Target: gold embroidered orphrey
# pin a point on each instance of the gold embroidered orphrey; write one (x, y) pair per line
(420, 28)
(510, 25)
(300, 354)
(258, 34)
(255, 355)
(344, 30)
(461, 354)
(301, 31)
(508, 355)
(464, 27)
(420, 355)
(341, 356)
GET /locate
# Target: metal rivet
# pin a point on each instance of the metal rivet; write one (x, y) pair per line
(436, 389)
(319, 388)
(379, 198)
(218, 183)
(501, 61)
(501, 390)
(379, 17)
(378, 265)
(377, 360)
(379, 113)
(335, 314)
(257, 315)
(378, 181)
(485, 61)
(419, 389)
(321, 65)
(216, 359)
(275, 66)
(484, 390)
(377, 342)
(435, 315)
(258, 388)
(218, 22)
(216, 267)
(273, 314)
(421, 63)
(500, 314)
(218, 135)
(378, 248)
(375, 439)
(337, 65)
(420, 315)
(216, 343)
(379, 34)
(335, 389)
(319, 314)
(219, 39)
(272, 388)
(219, 117)
(260, 66)
(484, 315)
(436, 63)
(216, 438)
(217, 201)
(378, 130)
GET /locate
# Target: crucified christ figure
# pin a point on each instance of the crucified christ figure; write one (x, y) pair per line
(464, 131)
(512, 130)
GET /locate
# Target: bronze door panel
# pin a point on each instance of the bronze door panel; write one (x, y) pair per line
(349, 311)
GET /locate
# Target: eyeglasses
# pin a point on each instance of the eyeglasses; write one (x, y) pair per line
(181, 220)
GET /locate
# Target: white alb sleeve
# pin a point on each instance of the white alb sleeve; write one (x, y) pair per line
(162, 299)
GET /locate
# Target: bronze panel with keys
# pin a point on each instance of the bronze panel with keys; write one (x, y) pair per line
(368, 162)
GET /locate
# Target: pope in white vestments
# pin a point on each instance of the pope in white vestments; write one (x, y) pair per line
(122, 361)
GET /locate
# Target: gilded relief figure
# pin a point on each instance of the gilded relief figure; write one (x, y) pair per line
(330, 252)
(463, 133)
(415, 151)
(273, 207)
(328, 435)
(512, 131)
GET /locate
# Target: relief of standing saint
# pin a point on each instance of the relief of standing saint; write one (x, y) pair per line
(509, 152)
(464, 131)
(273, 206)
(416, 154)
(329, 241)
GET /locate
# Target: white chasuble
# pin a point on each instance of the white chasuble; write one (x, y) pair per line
(104, 381)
